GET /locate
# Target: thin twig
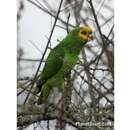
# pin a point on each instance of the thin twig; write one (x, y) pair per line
(35, 46)
(67, 23)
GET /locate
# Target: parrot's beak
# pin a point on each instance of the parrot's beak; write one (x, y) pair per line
(90, 37)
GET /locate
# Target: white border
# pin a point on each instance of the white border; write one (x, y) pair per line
(8, 64)
(122, 67)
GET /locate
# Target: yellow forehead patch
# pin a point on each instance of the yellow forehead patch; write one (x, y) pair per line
(86, 28)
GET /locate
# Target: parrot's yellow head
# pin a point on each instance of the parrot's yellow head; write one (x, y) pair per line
(85, 34)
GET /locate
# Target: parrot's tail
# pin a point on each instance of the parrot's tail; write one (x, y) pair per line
(45, 91)
(38, 90)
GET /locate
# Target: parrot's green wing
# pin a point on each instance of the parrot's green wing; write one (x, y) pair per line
(53, 64)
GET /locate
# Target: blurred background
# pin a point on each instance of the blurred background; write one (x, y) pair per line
(89, 93)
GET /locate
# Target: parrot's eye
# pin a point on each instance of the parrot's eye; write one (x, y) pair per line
(84, 32)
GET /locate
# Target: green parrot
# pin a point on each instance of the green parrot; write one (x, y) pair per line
(61, 59)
